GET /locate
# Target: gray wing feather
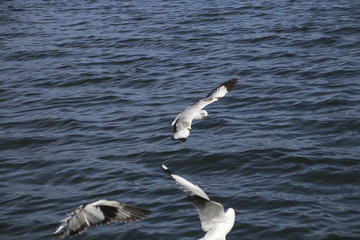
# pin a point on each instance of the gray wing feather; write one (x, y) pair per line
(100, 212)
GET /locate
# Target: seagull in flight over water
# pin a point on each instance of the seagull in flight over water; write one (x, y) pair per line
(97, 213)
(214, 221)
(182, 123)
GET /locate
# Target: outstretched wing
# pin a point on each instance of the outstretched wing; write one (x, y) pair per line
(209, 211)
(189, 188)
(97, 213)
(216, 94)
(120, 212)
(223, 89)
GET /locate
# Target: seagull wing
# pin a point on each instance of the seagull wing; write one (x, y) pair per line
(97, 213)
(173, 123)
(209, 211)
(189, 188)
(120, 212)
(215, 94)
(223, 89)
(84, 216)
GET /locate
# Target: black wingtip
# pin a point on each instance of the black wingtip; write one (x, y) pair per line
(168, 171)
(137, 212)
(142, 212)
(230, 84)
(147, 212)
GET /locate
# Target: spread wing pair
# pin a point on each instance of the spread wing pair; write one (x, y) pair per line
(182, 123)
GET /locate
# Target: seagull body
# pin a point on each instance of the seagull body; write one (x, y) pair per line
(214, 221)
(182, 123)
(97, 213)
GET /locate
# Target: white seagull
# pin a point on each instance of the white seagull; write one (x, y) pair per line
(97, 213)
(182, 123)
(214, 221)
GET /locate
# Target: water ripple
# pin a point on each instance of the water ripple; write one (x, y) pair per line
(89, 90)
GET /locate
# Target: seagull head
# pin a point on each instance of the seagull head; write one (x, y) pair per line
(230, 218)
(204, 113)
(232, 212)
(200, 115)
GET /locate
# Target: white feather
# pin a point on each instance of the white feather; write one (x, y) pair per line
(182, 123)
(214, 221)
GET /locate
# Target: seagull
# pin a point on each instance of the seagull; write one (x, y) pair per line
(97, 213)
(214, 221)
(182, 123)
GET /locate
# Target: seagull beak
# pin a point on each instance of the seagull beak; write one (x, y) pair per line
(208, 116)
(236, 212)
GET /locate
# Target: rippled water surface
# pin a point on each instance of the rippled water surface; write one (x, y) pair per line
(89, 89)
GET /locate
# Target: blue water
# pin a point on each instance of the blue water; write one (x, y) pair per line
(89, 89)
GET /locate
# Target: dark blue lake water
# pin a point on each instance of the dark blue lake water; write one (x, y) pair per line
(89, 90)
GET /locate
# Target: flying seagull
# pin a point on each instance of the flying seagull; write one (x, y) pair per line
(214, 221)
(97, 213)
(182, 123)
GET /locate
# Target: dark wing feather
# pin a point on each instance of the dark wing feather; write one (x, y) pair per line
(100, 212)
(121, 212)
(229, 85)
(109, 212)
